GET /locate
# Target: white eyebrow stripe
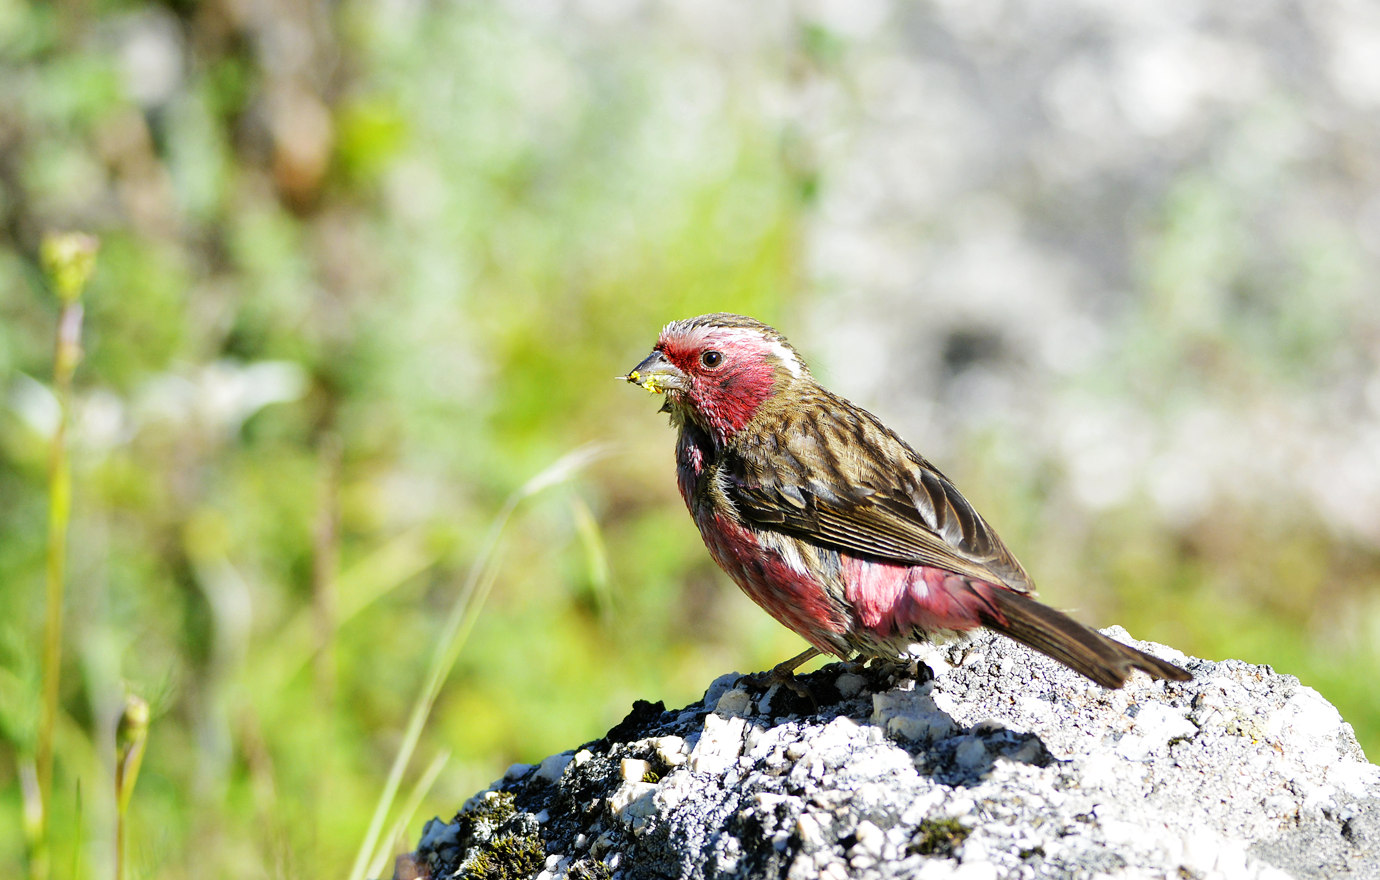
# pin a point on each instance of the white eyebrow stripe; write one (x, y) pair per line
(774, 347)
(786, 356)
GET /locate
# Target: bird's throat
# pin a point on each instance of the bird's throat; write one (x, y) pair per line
(731, 404)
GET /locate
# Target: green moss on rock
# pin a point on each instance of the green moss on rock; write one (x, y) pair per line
(500, 843)
(938, 837)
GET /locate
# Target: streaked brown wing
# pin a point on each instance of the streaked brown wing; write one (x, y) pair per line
(842, 479)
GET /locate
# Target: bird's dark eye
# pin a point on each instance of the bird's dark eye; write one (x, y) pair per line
(711, 358)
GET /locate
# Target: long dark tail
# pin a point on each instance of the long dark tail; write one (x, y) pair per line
(1084, 650)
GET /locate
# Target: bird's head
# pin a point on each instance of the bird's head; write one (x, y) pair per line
(717, 370)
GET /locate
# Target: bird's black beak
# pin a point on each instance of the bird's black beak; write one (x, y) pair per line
(658, 375)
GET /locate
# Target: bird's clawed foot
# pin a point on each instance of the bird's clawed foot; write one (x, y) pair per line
(901, 668)
(885, 671)
(783, 674)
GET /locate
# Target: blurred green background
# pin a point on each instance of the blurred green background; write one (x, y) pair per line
(368, 266)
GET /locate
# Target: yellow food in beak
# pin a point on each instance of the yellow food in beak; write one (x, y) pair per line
(657, 375)
(650, 383)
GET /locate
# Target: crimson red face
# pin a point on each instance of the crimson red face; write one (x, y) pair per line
(718, 374)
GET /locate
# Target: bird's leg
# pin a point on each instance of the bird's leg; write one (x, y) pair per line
(783, 674)
(785, 670)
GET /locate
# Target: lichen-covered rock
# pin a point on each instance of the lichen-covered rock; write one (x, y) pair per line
(998, 764)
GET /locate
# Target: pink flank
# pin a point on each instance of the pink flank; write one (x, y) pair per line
(893, 600)
(793, 597)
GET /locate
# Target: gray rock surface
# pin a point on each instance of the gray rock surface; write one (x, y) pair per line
(1001, 764)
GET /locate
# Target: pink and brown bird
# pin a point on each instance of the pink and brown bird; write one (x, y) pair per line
(831, 522)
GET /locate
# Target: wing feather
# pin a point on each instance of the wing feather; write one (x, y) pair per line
(844, 480)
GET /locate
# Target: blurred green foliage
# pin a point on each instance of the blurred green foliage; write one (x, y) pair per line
(366, 268)
(349, 298)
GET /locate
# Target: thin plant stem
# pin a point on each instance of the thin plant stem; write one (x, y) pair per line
(131, 735)
(326, 563)
(68, 259)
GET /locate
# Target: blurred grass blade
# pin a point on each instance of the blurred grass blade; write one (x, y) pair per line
(463, 614)
(406, 814)
(357, 587)
(79, 852)
(596, 555)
